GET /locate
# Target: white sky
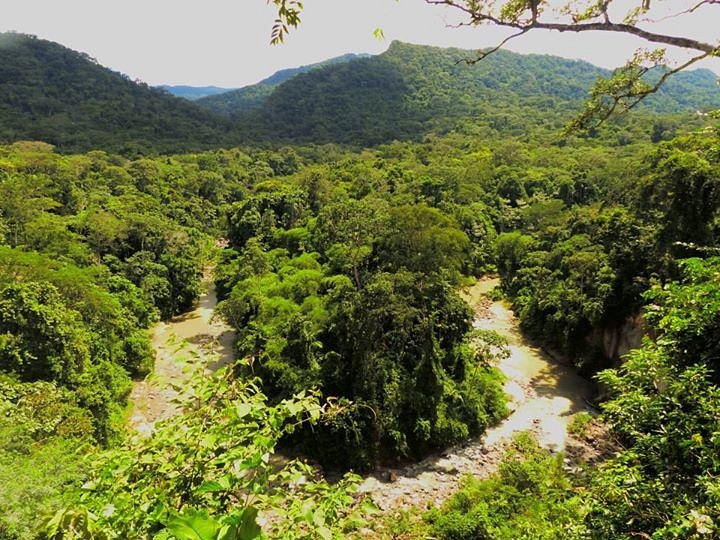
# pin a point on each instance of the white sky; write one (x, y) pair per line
(225, 42)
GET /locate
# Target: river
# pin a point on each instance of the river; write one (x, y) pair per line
(183, 340)
(544, 397)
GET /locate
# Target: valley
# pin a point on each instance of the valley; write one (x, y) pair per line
(321, 306)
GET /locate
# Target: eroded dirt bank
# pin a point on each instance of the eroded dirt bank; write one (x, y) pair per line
(192, 337)
(544, 394)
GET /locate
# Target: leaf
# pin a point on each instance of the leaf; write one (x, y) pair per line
(249, 529)
(210, 487)
(193, 525)
(243, 409)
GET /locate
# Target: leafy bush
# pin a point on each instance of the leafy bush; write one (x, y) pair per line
(209, 473)
(529, 497)
(44, 437)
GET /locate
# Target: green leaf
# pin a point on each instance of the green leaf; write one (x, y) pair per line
(194, 525)
(243, 409)
(249, 529)
(210, 487)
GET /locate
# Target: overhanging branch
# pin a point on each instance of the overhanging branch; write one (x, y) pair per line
(480, 17)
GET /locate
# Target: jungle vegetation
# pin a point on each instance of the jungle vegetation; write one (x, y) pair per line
(341, 277)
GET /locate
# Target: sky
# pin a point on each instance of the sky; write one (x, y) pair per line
(226, 42)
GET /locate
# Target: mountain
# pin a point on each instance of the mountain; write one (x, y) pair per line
(54, 94)
(194, 93)
(250, 97)
(60, 96)
(411, 89)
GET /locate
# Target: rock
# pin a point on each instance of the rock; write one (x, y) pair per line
(369, 485)
(446, 465)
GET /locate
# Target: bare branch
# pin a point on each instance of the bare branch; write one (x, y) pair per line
(480, 17)
(483, 54)
(685, 12)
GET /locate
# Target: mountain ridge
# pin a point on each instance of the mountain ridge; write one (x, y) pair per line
(253, 95)
(52, 93)
(193, 93)
(414, 89)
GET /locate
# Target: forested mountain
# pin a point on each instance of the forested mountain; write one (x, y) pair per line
(63, 97)
(194, 93)
(250, 97)
(56, 95)
(413, 89)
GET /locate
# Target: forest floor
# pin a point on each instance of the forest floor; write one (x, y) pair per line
(544, 397)
(180, 343)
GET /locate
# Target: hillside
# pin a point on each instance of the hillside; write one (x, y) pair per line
(250, 97)
(411, 89)
(193, 93)
(53, 94)
(60, 96)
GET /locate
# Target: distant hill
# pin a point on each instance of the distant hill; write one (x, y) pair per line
(251, 97)
(54, 94)
(194, 93)
(412, 89)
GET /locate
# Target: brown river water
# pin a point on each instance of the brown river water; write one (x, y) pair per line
(183, 341)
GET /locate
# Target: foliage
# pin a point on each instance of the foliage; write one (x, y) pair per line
(582, 272)
(43, 438)
(210, 473)
(411, 90)
(66, 98)
(234, 102)
(529, 497)
(580, 423)
(355, 295)
(62, 97)
(665, 407)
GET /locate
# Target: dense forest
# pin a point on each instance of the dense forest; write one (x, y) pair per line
(62, 97)
(236, 102)
(344, 274)
(55, 95)
(414, 89)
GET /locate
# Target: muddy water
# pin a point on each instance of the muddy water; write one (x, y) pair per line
(546, 394)
(544, 397)
(180, 343)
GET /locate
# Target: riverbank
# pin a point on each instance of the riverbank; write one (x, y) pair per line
(191, 338)
(544, 397)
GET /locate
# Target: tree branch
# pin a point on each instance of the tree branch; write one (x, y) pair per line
(483, 54)
(480, 17)
(626, 96)
(685, 12)
(665, 76)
